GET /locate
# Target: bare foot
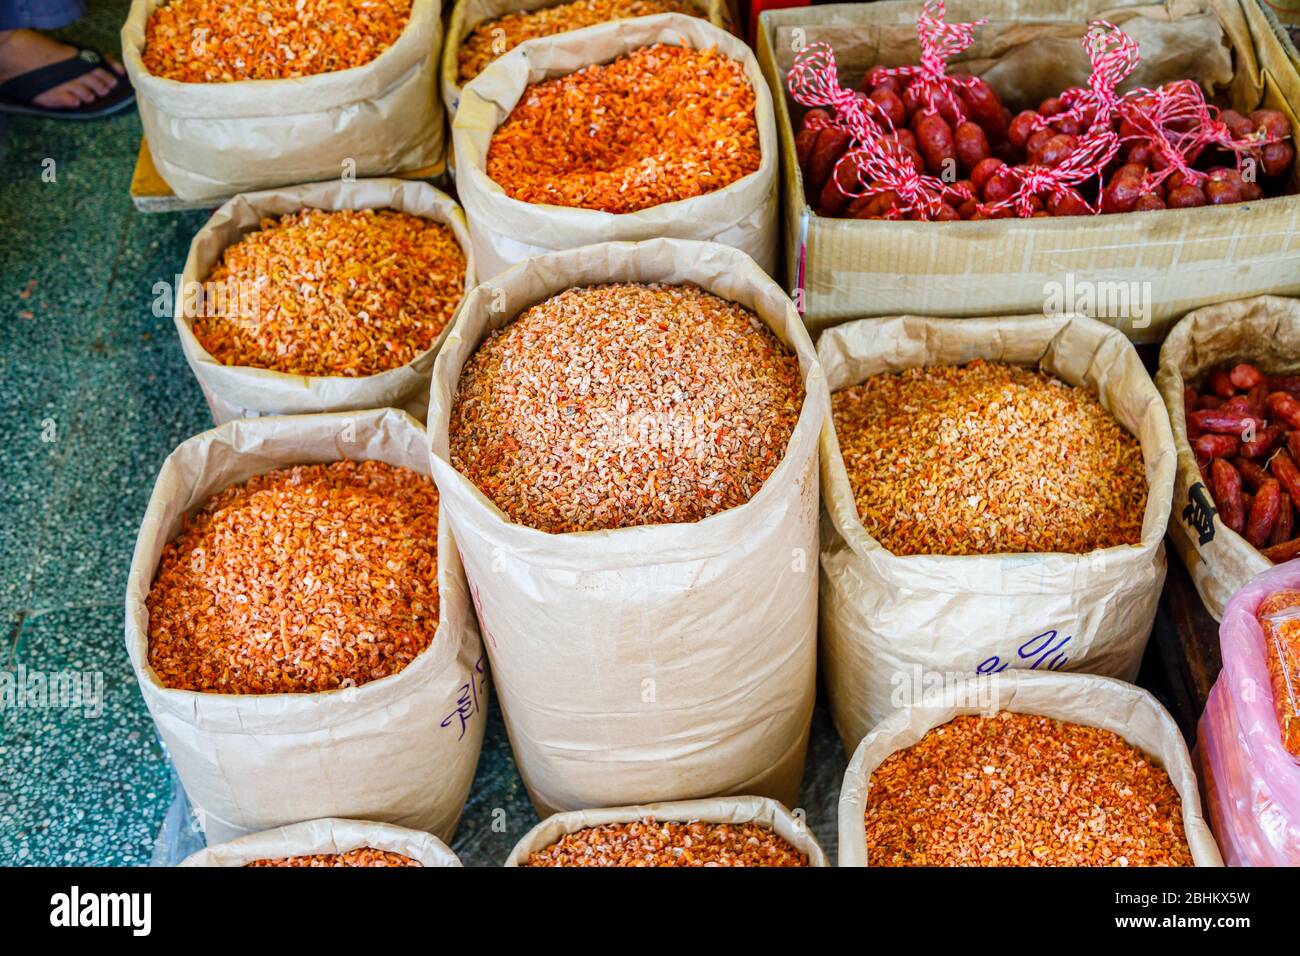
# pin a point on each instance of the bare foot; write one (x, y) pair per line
(25, 50)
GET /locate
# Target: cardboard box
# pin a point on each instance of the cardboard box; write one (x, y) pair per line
(1141, 271)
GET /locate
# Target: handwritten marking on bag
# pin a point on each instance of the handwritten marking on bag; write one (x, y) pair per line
(1199, 513)
(1039, 649)
(468, 703)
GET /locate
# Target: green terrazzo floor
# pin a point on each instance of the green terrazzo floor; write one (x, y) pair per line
(95, 393)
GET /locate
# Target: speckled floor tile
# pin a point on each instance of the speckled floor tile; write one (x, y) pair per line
(39, 395)
(64, 209)
(86, 784)
(61, 239)
(822, 779)
(73, 788)
(140, 401)
(11, 623)
(498, 812)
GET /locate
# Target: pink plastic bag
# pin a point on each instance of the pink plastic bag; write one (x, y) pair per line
(1252, 784)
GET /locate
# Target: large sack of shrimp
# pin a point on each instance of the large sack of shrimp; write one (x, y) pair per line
(323, 298)
(244, 96)
(653, 127)
(1025, 769)
(997, 492)
(301, 629)
(625, 438)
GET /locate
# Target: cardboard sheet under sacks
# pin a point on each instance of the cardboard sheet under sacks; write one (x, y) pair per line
(1172, 260)
(1264, 331)
(1092, 701)
(401, 749)
(885, 619)
(326, 836)
(241, 391)
(507, 231)
(660, 662)
(760, 810)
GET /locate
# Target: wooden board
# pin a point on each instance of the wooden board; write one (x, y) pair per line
(150, 192)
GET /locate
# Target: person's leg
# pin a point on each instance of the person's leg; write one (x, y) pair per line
(22, 50)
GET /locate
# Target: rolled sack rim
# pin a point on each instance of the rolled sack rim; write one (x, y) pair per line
(460, 26)
(326, 835)
(1014, 572)
(282, 393)
(419, 41)
(280, 713)
(710, 214)
(640, 544)
(732, 809)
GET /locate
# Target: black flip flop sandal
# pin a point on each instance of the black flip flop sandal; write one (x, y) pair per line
(16, 95)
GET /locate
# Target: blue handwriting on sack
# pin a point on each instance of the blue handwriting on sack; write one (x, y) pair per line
(1039, 649)
(468, 702)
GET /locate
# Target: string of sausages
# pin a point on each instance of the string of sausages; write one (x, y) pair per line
(894, 150)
